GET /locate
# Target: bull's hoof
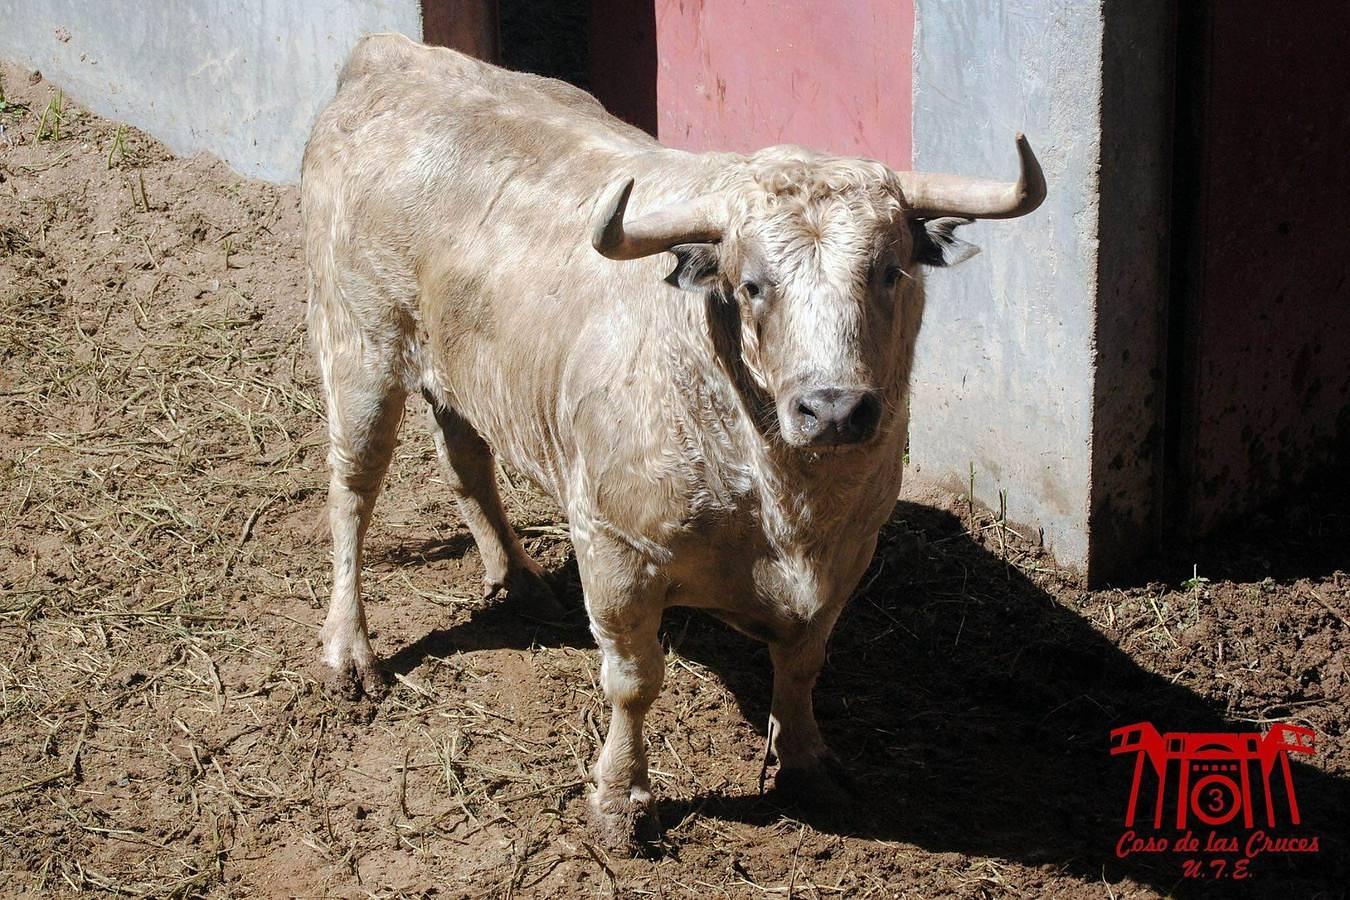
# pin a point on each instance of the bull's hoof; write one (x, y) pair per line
(350, 682)
(823, 785)
(624, 822)
(528, 592)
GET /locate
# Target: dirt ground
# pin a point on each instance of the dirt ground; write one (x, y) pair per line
(163, 570)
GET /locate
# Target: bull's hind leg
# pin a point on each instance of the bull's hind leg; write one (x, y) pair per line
(467, 463)
(364, 411)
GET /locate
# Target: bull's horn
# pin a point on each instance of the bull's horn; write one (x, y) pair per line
(930, 195)
(694, 221)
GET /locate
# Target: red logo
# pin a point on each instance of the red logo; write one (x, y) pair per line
(1214, 781)
(1214, 771)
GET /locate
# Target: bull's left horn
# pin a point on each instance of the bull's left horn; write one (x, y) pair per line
(931, 195)
(692, 222)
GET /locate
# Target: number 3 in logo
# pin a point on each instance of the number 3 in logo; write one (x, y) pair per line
(1216, 799)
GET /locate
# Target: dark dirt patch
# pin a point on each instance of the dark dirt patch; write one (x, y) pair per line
(163, 569)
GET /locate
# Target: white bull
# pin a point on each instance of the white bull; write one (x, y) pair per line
(727, 435)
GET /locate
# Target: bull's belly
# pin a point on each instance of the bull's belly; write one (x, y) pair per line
(503, 414)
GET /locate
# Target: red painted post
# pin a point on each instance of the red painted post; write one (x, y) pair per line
(740, 75)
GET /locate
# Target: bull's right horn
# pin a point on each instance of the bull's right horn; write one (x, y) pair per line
(697, 221)
(931, 195)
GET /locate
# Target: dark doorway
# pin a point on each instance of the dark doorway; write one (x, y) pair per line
(1259, 356)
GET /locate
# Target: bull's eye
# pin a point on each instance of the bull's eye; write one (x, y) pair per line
(892, 276)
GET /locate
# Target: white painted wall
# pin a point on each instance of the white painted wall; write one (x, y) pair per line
(242, 79)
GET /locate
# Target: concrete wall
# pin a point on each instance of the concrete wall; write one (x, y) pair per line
(1003, 380)
(242, 79)
(1042, 362)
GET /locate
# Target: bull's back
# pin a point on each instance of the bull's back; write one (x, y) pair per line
(408, 117)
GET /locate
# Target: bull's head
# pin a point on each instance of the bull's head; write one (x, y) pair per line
(819, 254)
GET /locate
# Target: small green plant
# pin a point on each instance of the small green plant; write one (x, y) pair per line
(1195, 580)
(140, 199)
(49, 123)
(119, 146)
(1003, 528)
(970, 498)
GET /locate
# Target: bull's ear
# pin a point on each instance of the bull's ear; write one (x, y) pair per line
(936, 243)
(695, 267)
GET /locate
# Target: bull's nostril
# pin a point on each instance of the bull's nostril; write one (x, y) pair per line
(806, 412)
(865, 415)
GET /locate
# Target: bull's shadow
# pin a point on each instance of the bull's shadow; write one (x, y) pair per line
(974, 712)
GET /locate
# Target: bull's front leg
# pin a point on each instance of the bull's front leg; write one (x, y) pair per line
(625, 605)
(808, 771)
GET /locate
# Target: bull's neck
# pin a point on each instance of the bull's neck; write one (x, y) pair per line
(727, 427)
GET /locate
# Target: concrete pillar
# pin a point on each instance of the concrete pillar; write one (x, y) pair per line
(1040, 364)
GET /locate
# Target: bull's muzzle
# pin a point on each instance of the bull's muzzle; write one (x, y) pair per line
(833, 417)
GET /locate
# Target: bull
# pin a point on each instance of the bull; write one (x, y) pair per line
(723, 431)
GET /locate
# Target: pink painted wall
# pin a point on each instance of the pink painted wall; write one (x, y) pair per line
(833, 75)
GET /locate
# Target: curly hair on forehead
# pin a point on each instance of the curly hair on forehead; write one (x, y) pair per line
(794, 197)
(788, 171)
